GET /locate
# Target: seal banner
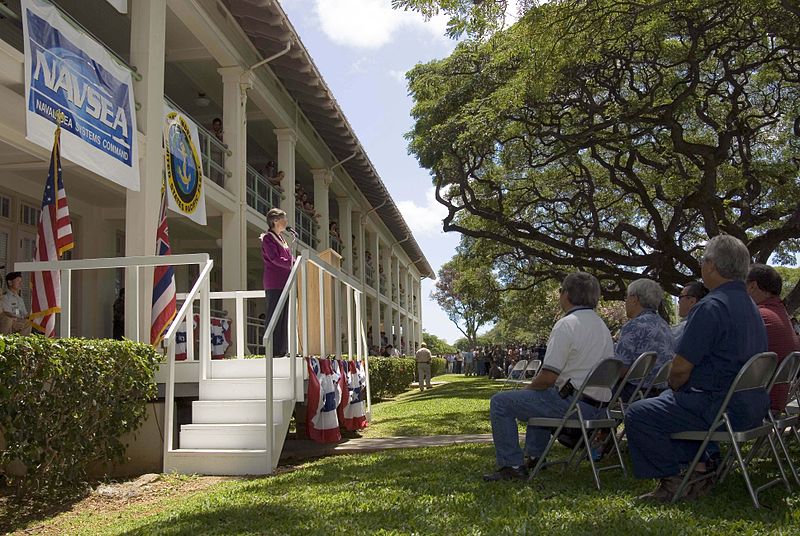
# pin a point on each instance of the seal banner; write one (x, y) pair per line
(183, 166)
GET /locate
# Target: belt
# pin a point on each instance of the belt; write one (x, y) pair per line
(592, 402)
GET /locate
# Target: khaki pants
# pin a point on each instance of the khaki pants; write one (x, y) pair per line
(10, 325)
(424, 372)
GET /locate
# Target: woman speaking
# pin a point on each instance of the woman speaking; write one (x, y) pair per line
(278, 262)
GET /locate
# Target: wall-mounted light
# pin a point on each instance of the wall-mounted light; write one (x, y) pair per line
(202, 101)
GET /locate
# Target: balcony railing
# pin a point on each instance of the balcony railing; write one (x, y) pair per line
(306, 227)
(336, 245)
(382, 283)
(261, 195)
(369, 275)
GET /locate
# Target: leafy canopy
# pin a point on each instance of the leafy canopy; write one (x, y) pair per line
(617, 136)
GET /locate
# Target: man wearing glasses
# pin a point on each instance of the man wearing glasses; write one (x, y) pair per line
(577, 343)
(690, 295)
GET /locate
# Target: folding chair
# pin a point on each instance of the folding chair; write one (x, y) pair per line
(755, 374)
(604, 375)
(660, 378)
(636, 374)
(519, 367)
(529, 372)
(785, 374)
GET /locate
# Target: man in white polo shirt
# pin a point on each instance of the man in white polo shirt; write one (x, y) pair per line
(577, 343)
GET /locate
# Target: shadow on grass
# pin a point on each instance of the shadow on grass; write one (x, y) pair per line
(16, 514)
(440, 491)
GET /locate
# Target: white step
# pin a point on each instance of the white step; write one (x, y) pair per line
(225, 436)
(253, 368)
(245, 389)
(236, 411)
(218, 462)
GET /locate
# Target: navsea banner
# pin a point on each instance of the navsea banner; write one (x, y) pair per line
(183, 166)
(68, 72)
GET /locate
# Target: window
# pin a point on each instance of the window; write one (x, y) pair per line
(5, 207)
(29, 215)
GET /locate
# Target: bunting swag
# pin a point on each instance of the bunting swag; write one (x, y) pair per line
(355, 415)
(341, 368)
(323, 399)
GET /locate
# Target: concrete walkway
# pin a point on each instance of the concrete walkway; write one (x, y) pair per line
(298, 450)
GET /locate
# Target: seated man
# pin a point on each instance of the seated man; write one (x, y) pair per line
(577, 343)
(764, 285)
(13, 313)
(691, 294)
(722, 333)
(645, 332)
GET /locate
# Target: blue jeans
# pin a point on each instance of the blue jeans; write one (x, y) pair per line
(509, 406)
(649, 424)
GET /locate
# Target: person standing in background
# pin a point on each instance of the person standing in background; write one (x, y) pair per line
(278, 260)
(424, 366)
(13, 313)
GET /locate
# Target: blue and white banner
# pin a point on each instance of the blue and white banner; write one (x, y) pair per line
(69, 73)
(183, 166)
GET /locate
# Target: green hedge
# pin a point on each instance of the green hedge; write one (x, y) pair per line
(390, 376)
(66, 403)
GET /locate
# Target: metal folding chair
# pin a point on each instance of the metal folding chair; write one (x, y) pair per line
(755, 374)
(636, 374)
(660, 378)
(530, 371)
(519, 367)
(785, 374)
(604, 375)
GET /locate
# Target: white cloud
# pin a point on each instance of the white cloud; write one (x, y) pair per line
(399, 75)
(371, 23)
(424, 220)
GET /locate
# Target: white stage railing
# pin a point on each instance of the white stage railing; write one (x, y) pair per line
(292, 296)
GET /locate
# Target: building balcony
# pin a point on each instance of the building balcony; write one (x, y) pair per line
(336, 245)
(306, 228)
(261, 195)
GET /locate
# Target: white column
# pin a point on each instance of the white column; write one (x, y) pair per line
(322, 182)
(408, 335)
(142, 207)
(396, 280)
(234, 224)
(346, 231)
(376, 259)
(287, 139)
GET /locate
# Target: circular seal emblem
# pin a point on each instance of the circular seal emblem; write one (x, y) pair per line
(182, 164)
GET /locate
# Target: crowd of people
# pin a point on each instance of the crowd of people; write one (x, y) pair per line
(734, 313)
(494, 361)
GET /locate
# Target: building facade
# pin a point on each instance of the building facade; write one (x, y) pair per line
(283, 142)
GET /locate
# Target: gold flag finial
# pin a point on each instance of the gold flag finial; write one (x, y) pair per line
(60, 117)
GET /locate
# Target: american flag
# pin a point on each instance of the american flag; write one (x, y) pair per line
(164, 308)
(54, 238)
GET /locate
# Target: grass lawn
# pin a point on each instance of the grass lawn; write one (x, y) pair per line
(434, 491)
(459, 407)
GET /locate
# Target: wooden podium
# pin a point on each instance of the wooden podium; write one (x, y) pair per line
(334, 259)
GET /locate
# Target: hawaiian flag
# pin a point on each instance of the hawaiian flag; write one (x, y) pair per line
(164, 308)
(54, 238)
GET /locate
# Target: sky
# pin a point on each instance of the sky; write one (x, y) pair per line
(363, 49)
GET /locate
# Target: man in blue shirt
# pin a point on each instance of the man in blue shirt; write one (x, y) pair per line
(645, 332)
(722, 332)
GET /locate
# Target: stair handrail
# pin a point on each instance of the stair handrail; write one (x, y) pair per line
(200, 286)
(268, 360)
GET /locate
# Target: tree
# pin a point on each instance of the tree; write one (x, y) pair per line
(617, 136)
(468, 293)
(436, 345)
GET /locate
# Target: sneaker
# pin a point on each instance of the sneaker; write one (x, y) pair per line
(507, 473)
(664, 492)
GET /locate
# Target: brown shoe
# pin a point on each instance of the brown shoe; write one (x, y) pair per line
(664, 492)
(700, 487)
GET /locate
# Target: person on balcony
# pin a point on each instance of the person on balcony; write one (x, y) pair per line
(276, 179)
(13, 313)
(270, 170)
(278, 262)
(216, 129)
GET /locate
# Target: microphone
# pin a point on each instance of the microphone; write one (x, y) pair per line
(292, 232)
